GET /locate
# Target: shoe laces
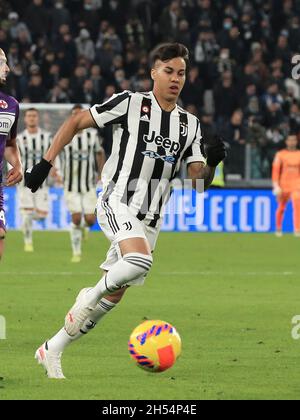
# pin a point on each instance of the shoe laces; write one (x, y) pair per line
(55, 360)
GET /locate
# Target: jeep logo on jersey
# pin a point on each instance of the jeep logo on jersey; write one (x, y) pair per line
(166, 143)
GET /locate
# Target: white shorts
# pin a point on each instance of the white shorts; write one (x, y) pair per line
(38, 201)
(118, 224)
(81, 202)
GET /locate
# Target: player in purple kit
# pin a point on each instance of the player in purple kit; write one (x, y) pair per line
(9, 112)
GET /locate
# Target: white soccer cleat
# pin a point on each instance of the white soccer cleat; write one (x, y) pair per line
(279, 234)
(76, 259)
(51, 361)
(78, 314)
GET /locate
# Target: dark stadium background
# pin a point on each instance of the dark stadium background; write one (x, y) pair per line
(239, 83)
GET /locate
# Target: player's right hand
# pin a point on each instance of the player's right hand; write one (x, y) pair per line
(277, 191)
(35, 176)
(216, 152)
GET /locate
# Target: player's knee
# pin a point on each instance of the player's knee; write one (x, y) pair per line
(76, 219)
(90, 219)
(141, 263)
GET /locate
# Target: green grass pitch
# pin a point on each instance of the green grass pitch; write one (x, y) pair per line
(231, 297)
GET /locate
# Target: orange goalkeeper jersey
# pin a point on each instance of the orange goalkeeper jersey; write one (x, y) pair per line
(286, 170)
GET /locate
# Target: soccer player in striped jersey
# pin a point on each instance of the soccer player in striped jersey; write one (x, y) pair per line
(81, 160)
(33, 143)
(151, 138)
(9, 113)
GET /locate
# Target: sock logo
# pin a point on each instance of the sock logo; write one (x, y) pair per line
(91, 325)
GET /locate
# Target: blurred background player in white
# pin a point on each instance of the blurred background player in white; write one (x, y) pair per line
(32, 142)
(83, 160)
(9, 113)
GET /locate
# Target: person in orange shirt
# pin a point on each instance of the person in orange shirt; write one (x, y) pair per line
(286, 182)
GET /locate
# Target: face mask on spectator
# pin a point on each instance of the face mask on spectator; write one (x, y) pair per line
(227, 25)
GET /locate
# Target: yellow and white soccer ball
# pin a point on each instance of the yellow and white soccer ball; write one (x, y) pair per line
(154, 345)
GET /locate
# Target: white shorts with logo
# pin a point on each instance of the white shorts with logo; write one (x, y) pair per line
(81, 202)
(38, 201)
(118, 223)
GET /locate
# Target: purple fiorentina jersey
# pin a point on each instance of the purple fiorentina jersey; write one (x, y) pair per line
(9, 113)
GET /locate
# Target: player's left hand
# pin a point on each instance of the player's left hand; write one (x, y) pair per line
(35, 176)
(14, 176)
(216, 152)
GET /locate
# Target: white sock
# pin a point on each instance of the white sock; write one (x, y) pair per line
(130, 267)
(76, 238)
(61, 340)
(27, 227)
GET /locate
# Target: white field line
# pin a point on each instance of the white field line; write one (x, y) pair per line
(171, 273)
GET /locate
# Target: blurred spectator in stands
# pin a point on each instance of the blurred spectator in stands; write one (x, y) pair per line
(37, 91)
(88, 17)
(58, 95)
(193, 90)
(105, 55)
(79, 76)
(283, 51)
(59, 15)
(273, 102)
(134, 33)
(16, 27)
(109, 92)
(68, 47)
(37, 18)
(257, 138)
(294, 34)
(234, 44)
(98, 82)
(294, 118)
(183, 35)
(4, 41)
(225, 98)
(208, 127)
(250, 101)
(84, 45)
(235, 132)
(168, 22)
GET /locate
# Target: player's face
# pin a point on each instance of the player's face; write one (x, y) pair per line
(169, 78)
(4, 69)
(292, 142)
(31, 119)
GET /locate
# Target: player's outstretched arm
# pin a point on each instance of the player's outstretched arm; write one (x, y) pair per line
(12, 156)
(67, 131)
(35, 176)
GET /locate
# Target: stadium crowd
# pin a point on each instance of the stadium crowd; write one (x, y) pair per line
(239, 82)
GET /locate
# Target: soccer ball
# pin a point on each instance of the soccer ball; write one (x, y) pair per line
(154, 345)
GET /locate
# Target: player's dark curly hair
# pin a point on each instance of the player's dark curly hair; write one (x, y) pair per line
(165, 52)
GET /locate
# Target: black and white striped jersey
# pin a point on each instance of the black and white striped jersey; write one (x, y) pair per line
(33, 147)
(148, 147)
(79, 165)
